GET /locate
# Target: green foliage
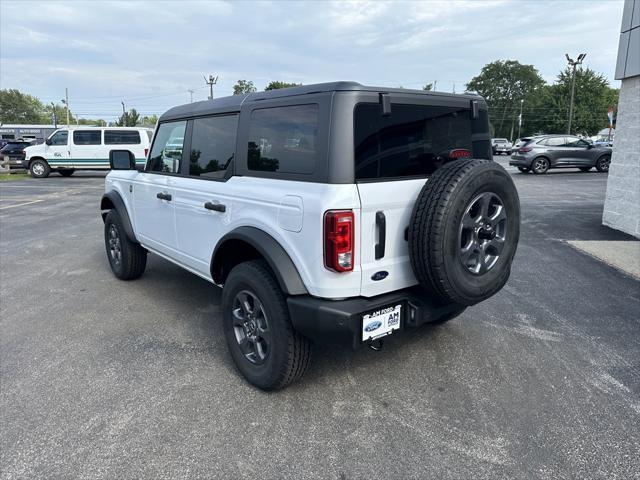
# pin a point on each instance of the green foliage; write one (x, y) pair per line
(593, 96)
(503, 84)
(244, 86)
(428, 87)
(150, 120)
(277, 84)
(17, 107)
(128, 119)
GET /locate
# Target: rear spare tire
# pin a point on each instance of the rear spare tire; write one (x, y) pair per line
(464, 231)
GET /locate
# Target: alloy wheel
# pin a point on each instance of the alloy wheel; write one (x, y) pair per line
(251, 327)
(482, 233)
(115, 248)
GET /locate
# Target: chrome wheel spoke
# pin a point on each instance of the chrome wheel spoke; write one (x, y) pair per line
(482, 233)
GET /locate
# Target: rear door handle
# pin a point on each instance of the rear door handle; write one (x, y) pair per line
(164, 196)
(381, 223)
(216, 207)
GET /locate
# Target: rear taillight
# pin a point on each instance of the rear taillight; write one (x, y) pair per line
(146, 152)
(525, 149)
(460, 153)
(339, 245)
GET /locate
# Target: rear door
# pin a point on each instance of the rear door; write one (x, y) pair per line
(394, 155)
(203, 200)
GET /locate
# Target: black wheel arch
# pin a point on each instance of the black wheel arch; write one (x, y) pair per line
(249, 243)
(113, 201)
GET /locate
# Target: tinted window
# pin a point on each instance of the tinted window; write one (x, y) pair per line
(576, 142)
(413, 140)
(213, 144)
(149, 134)
(86, 137)
(284, 139)
(121, 137)
(166, 153)
(60, 138)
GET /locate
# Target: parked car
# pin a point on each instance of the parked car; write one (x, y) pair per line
(603, 143)
(85, 148)
(500, 146)
(325, 211)
(15, 151)
(541, 153)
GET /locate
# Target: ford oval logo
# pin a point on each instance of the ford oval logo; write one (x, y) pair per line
(381, 275)
(373, 326)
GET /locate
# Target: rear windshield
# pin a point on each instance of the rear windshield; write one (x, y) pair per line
(413, 141)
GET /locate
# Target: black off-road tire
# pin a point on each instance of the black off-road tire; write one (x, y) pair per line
(602, 164)
(39, 168)
(289, 353)
(131, 261)
(435, 230)
(67, 172)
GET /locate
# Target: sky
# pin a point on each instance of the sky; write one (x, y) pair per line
(149, 54)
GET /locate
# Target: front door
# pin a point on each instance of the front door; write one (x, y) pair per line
(203, 200)
(154, 193)
(58, 155)
(577, 152)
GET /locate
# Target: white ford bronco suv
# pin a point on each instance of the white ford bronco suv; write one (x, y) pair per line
(331, 211)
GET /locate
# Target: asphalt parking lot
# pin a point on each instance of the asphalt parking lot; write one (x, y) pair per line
(108, 379)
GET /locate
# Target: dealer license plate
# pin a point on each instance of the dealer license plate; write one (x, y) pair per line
(381, 322)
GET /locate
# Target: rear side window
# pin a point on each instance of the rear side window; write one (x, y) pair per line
(213, 144)
(284, 139)
(87, 137)
(413, 140)
(166, 153)
(554, 142)
(121, 137)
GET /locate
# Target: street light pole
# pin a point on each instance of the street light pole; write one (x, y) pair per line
(573, 63)
(55, 117)
(520, 117)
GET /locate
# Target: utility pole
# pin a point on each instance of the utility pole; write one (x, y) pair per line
(573, 64)
(66, 103)
(211, 82)
(123, 109)
(191, 92)
(520, 117)
(55, 117)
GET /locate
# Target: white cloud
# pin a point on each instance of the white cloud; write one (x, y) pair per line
(152, 52)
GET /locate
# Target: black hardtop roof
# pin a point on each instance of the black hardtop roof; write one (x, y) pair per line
(234, 102)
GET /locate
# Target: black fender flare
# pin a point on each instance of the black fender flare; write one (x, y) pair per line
(275, 255)
(113, 201)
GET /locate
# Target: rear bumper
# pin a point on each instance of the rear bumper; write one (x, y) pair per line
(341, 320)
(517, 161)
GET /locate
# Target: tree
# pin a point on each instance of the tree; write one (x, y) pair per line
(503, 84)
(128, 119)
(17, 107)
(274, 85)
(150, 120)
(244, 86)
(593, 97)
(428, 87)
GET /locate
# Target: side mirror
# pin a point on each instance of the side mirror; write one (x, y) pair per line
(590, 146)
(122, 160)
(48, 141)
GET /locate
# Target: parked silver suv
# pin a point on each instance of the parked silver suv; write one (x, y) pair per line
(541, 153)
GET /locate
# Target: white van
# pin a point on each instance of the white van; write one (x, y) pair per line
(85, 148)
